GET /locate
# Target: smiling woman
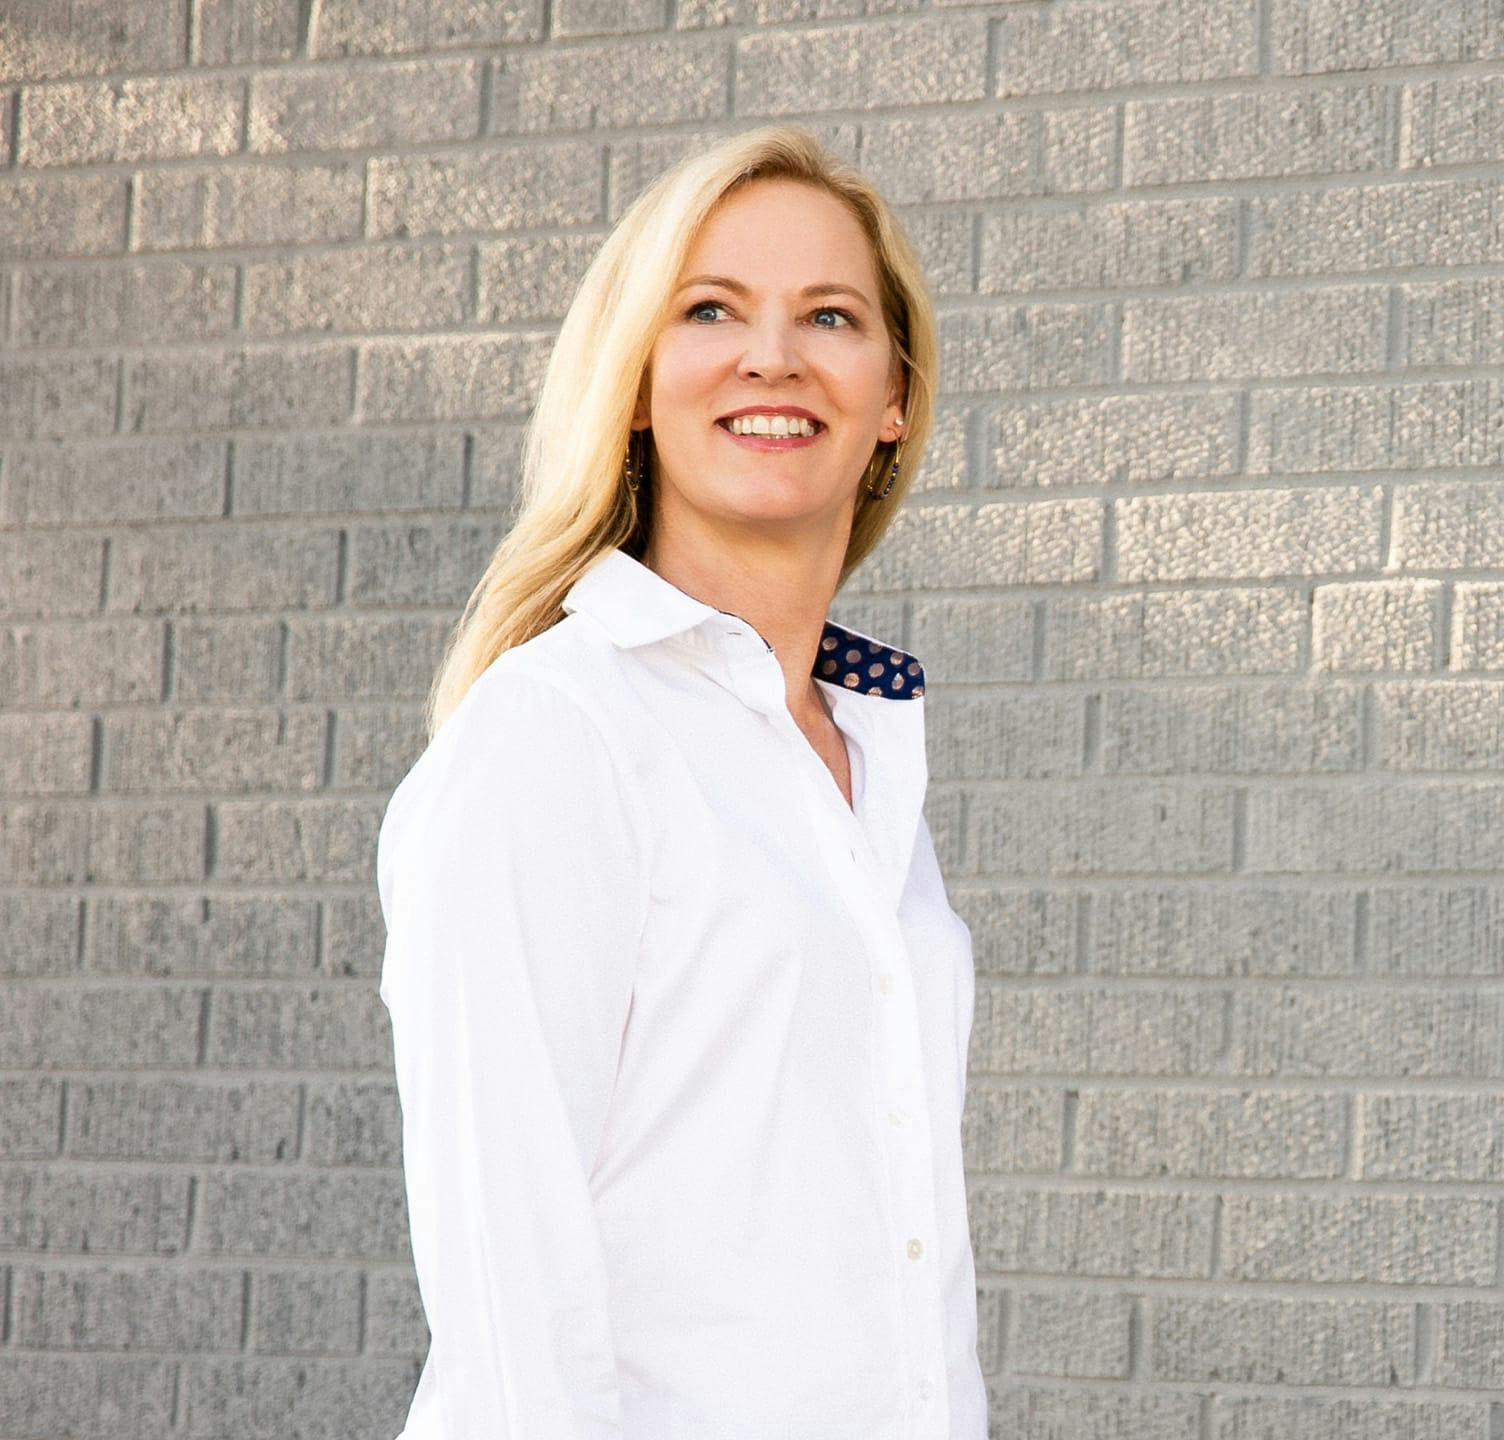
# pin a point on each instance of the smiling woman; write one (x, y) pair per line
(680, 1008)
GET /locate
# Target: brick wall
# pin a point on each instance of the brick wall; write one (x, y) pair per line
(1206, 565)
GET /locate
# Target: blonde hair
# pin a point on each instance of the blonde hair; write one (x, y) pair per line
(573, 502)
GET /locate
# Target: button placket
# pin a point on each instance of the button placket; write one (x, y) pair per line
(897, 1078)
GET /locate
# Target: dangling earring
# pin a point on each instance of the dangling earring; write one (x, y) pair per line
(631, 469)
(892, 474)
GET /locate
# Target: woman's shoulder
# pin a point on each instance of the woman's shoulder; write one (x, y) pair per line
(572, 666)
(539, 721)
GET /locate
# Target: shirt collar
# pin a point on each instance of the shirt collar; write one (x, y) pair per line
(636, 606)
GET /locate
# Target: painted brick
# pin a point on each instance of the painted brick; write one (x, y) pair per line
(1278, 1341)
(1026, 347)
(908, 62)
(1378, 625)
(1099, 1232)
(1092, 826)
(1452, 120)
(1431, 1137)
(342, 1215)
(286, 842)
(87, 122)
(113, 1027)
(458, 378)
(130, 1396)
(1219, 729)
(1360, 228)
(1109, 245)
(1367, 827)
(45, 754)
(354, 1122)
(56, 215)
(635, 82)
(1436, 930)
(1082, 45)
(125, 303)
(1044, 1029)
(964, 156)
(341, 474)
(243, 936)
(335, 107)
(357, 27)
(1255, 534)
(1328, 35)
(183, 1120)
(1477, 638)
(382, 287)
(89, 37)
(266, 204)
(377, 747)
(1352, 1032)
(1453, 322)
(1247, 631)
(30, 1118)
(305, 385)
(1254, 135)
(68, 842)
(244, 32)
(178, 568)
(1244, 1134)
(1360, 1239)
(973, 639)
(1070, 1334)
(302, 1312)
(86, 662)
(95, 1212)
(57, 398)
(1019, 932)
(500, 188)
(1013, 1129)
(298, 1028)
(39, 935)
(1274, 335)
(321, 1399)
(89, 1307)
(372, 658)
(1027, 736)
(1255, 931)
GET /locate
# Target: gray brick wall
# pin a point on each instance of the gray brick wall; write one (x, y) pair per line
(1206, 564)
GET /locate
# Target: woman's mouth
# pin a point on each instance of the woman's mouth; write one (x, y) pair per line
(751, 441)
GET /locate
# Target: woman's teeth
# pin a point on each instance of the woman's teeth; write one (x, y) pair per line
(770, 425)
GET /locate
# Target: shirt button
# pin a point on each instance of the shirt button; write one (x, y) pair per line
(896, 1117)
(885, 984)
(925, 1389)
(916, 1249)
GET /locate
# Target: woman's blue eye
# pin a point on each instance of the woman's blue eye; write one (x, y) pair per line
(824, 309)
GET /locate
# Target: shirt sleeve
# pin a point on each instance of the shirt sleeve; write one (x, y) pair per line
(513, 880)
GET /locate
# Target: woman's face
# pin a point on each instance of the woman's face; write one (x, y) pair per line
(768, 333)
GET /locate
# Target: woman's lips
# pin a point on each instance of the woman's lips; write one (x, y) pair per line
(769, 442)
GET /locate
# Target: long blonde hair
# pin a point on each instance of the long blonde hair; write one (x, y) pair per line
(573, 502)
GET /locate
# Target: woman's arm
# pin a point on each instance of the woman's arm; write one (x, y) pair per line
(514, 883)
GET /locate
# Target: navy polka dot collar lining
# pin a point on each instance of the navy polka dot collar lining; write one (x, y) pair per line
(866, 666)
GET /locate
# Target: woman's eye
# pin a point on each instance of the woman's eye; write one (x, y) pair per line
(694, 310)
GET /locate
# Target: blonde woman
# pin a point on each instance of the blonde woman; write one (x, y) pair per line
(680, 1008)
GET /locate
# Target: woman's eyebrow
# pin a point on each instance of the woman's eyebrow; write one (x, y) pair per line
(737, 288)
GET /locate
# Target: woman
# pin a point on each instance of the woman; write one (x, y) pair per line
(679, 1006)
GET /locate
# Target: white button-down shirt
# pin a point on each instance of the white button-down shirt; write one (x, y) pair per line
(681, 1043)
